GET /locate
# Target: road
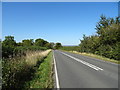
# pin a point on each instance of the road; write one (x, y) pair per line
(77, 71)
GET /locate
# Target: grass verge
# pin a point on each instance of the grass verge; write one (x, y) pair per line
(17, 71)
(43, 77)
(96, 56)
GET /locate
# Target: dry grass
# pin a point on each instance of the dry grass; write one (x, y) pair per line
(32, 57)
(16, 71)
(43, 76)
(97, 56)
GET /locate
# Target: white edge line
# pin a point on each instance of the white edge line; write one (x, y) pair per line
(108, 62)
(56, 74)
(86, 63)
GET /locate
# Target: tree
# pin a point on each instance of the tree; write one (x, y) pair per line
(108, 30)
(48, 45)
(27, 42)
(105, 22)
(9, 41)
(107, 40)
(8, 46)
(58, 45)
(40, 42)
(52, 44)
(19, 44)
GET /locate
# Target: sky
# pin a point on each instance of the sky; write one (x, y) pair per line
(63, 22)
(60, 0)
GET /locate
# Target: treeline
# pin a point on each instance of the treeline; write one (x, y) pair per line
(71, 48)
(106, 41)
(11, 48)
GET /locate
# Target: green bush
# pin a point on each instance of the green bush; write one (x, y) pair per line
(106, 42)
(8, 51)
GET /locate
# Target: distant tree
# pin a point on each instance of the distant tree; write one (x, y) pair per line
(58, 45)
(52, 44)
(48, 45)
(40, 42)
(19, 44)
(9, 41)
(27, 42)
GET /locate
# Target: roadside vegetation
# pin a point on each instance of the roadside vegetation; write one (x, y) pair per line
(25, 62)
(106, 41)
(17, 71)
(43, 77)
(10, 48)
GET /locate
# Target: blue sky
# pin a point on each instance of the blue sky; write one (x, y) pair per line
(54, 22)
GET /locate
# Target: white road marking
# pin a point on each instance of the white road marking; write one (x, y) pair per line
(56, 73)
(83, 62)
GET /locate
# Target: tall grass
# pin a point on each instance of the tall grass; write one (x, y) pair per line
(33, 57)
(43, 77)
(17, 71)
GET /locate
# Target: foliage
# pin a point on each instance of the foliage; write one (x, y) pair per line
(89, 44)
(9, 41)
(17, 71)
(49, 45)
(40, 42)
(27, 42)
(20, 60)
(58, 45)
(10, 48)
(106, 42)
(7, 51)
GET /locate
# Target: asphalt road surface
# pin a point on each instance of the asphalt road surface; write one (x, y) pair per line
(77, 71)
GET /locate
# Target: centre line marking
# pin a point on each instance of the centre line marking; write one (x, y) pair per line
(83, 62)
